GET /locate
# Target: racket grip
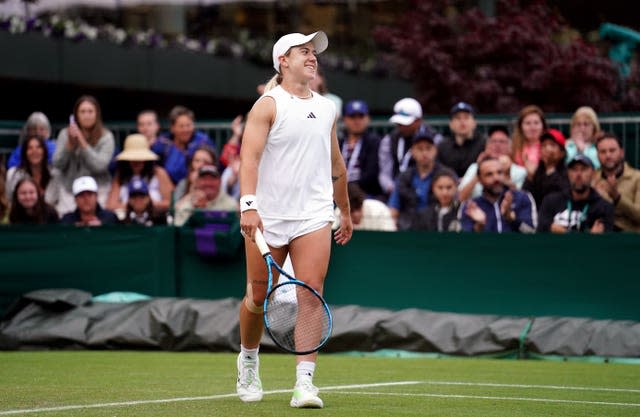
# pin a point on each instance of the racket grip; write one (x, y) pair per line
(262, 244)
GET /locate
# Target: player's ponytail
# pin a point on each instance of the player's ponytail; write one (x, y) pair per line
(273, 82)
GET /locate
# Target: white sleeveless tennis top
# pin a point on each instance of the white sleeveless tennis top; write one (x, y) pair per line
(294, 177)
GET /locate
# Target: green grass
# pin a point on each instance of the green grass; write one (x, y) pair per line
(447, 387)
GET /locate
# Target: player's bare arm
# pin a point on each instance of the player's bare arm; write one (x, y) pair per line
(340, 194)
(254, 139)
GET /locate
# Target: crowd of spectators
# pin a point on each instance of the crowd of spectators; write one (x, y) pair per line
(524, 178)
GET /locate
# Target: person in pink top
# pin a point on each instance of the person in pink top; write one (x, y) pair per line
(526, 137)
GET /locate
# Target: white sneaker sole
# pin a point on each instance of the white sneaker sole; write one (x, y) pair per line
(306, 403)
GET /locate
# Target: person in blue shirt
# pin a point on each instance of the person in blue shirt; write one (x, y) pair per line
(413, 187)
(37, 124)
(498, 209)
(175, 150)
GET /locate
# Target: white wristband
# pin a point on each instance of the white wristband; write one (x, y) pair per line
(248, 202)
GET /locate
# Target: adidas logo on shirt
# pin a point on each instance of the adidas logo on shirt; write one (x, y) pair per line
(311, 116)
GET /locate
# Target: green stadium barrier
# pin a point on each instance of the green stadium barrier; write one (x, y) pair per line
(113, 258)
(528, 276)
(507, 274)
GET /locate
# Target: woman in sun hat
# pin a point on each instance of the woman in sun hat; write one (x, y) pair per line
(137, 160)
(291, 171)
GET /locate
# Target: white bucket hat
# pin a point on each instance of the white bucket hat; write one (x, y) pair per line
(319, 39)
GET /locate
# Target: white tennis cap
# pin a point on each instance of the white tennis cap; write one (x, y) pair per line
(83, 184)
(406, 111)
(319, 39)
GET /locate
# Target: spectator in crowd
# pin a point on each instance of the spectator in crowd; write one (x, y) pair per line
(585, 128)
(84, 148)
(618, 183)
(231, 152)
(441, 215)
(137, 160)
(4, 204)
(551, 175)
(203, 155)
(464, 145)
(367, 213)
(526, 137)
(413, 186)
(184, 139)
(88, 211)
(148, 125)
(140, 209)
(498, 146)
(28, 205)
(498, 209)
(231, 178)
(394, 155)
(319, 85)
(33, 163)
(581, 209)
(37, 124)
(231, 148)
(207, 195)
(359, 148)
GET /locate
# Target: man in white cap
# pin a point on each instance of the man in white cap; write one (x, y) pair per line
(88, 211)
(394, 156)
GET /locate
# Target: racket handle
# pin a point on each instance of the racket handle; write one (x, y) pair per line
(262, 244)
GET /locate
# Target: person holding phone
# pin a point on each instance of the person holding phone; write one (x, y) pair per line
(84, 148)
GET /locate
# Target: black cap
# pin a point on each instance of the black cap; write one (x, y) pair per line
(461, 106)
(208, 170)
(580, 159)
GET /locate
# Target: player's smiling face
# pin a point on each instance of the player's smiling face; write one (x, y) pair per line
(302, 59)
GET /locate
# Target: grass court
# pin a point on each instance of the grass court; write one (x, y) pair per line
(125, 383)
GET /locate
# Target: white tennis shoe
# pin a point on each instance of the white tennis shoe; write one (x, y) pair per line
(305, 395)
(249, 387)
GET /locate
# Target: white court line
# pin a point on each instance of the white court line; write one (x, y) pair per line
(552, 387)
(171, 400)
(380, 384)
(487, 397)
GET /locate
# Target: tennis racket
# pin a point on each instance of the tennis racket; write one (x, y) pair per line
(296, 317)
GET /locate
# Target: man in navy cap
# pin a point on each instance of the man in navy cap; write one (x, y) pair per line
(413, 186)
(359, 147)
(581, 209)
(464, 145)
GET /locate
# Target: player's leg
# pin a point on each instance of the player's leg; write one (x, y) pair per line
(249, 386)
(310, 259)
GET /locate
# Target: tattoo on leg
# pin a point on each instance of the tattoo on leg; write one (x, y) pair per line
(259, 281)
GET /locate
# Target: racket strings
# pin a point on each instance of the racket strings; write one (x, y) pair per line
(297, 318)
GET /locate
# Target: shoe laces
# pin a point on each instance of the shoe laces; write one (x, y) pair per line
(248, 374)
(307, 385)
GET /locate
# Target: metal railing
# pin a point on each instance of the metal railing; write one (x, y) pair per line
(627, 127)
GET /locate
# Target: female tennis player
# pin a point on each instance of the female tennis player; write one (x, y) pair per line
(291, 172)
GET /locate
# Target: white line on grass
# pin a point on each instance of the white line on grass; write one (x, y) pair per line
(171, 400)
(552, 387)
(486, 397)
